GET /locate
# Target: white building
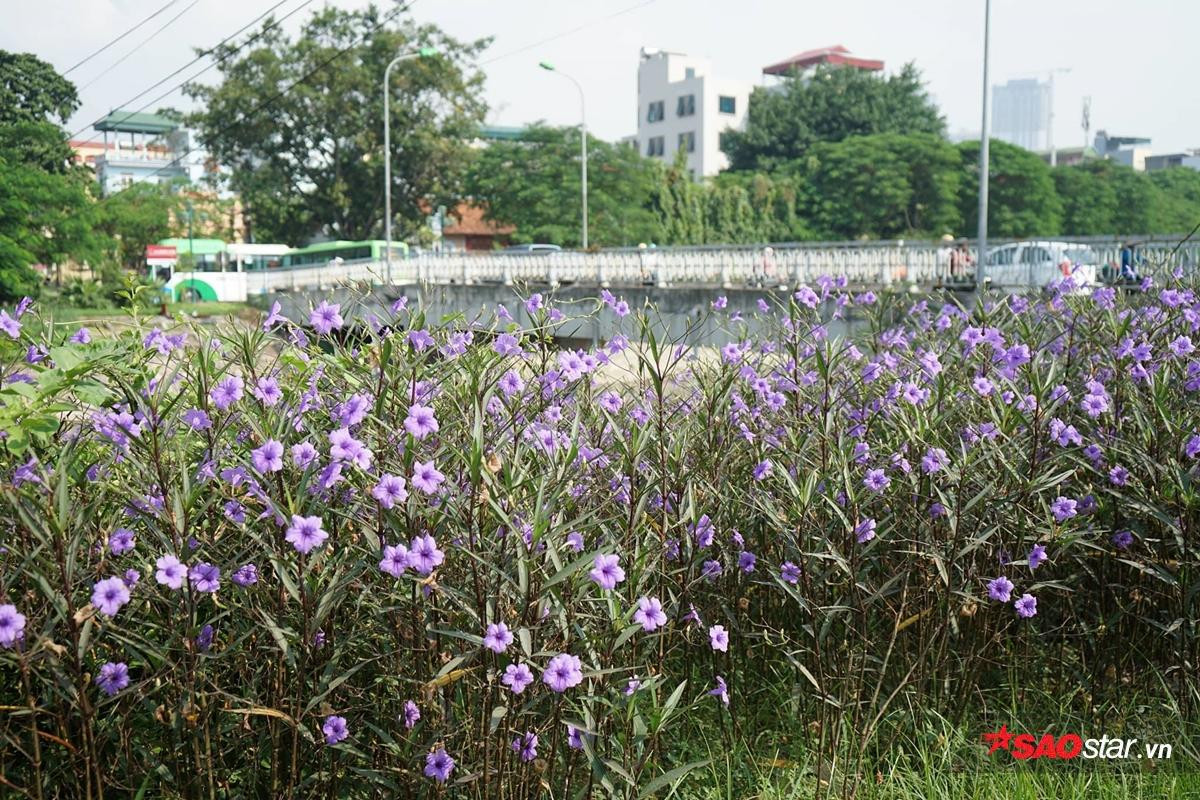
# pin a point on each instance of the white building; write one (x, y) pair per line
(1021, 113)
(683, 106)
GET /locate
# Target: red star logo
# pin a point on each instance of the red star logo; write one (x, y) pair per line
(1000, 739)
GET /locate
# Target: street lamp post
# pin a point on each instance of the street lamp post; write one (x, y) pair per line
(981, 265)
(424, 52)
(546, 65)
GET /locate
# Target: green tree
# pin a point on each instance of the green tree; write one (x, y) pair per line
(32, 91)
(883, 186)
(307, 159)
(1022, 200)
(828, 106)
(534, 184)
(134, 217)
(1088, 197)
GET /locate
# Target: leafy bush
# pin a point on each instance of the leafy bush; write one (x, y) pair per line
(360, 563)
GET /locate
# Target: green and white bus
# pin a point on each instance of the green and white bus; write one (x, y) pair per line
(321, 254)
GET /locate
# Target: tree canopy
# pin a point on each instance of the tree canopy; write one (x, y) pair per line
(299, 122)
(534, 184)
(1021, 196)
(32, 91)
(832, 104)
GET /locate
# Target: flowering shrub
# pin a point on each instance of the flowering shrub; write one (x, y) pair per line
(416, 557)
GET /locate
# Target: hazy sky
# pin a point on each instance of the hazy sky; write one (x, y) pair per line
(1137, 60)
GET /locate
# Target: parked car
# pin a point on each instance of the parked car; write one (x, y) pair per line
(531, 250)
(1039, 264)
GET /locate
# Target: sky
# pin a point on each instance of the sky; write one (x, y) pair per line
(1135, 60)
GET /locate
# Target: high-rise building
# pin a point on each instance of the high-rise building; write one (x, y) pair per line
(1021, 112)
(682, 106)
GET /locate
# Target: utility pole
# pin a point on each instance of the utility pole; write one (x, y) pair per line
(424, 52)
(546, 65)
(981, 264)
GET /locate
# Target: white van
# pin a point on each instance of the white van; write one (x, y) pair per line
(1040, 264)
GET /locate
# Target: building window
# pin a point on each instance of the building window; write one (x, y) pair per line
(686, 106)
(655, 146)
(726, 104)
(687, 142)
(689, 73)
(655, 112)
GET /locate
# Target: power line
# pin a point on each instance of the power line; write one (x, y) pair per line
(278, 95)
(145, 42)
(204, 54)
(570, 32)
(119, 38)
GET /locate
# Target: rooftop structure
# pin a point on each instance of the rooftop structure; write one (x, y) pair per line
(838, 55)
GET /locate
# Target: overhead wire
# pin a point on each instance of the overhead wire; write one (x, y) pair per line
(79, 64)
(140, 45)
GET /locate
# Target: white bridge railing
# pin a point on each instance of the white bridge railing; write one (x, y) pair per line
(861, 263)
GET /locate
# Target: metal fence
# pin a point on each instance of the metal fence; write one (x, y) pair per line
(875, 263)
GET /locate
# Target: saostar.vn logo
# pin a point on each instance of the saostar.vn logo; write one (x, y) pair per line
(1024, 746)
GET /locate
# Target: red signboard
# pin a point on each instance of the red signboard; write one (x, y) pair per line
(160, 251)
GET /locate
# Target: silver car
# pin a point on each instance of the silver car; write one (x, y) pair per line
(1040, 264)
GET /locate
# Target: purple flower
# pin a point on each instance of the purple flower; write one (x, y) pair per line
(424, 555)
(762, 469)
(109, 595)
(1192, 448)
(575, 541)
(131, 577)
(171, 572)
(1037, 555)
(83, 336)
(267, 390)
(526, 746)
(718, 637)
(1000, 589)
(438, 765)
(12, 625)
(721, 691)
(303, 454)
(246, 575)
(335, 729)
(1063, 508)
(305, 533)
(120, 541)
(934, 460)
(1118, 475)
(876, 480)
(1026, 606)
(420, 339)
(326, 317)
(196, 419)
(205, 639)
(864, 531)
(606, 571)
(227, 392)
(1122, 539)
(426, 477)
(390, 490)
(113, 677)
(10, 325)
(497, 638)
(205, 577)
(790, 572)
(411, 714)
(982, 386)
(574, 737)
(563, 672)
(746, 561)
(649, 613)
(395, 560)
(517, 677)
(268, 458)
(420, 421)
(274, 317)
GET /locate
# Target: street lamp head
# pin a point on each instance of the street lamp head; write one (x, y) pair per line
(427, 52)
(546, 65)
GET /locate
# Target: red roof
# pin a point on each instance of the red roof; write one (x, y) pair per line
(470, 222)
(837, 54)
